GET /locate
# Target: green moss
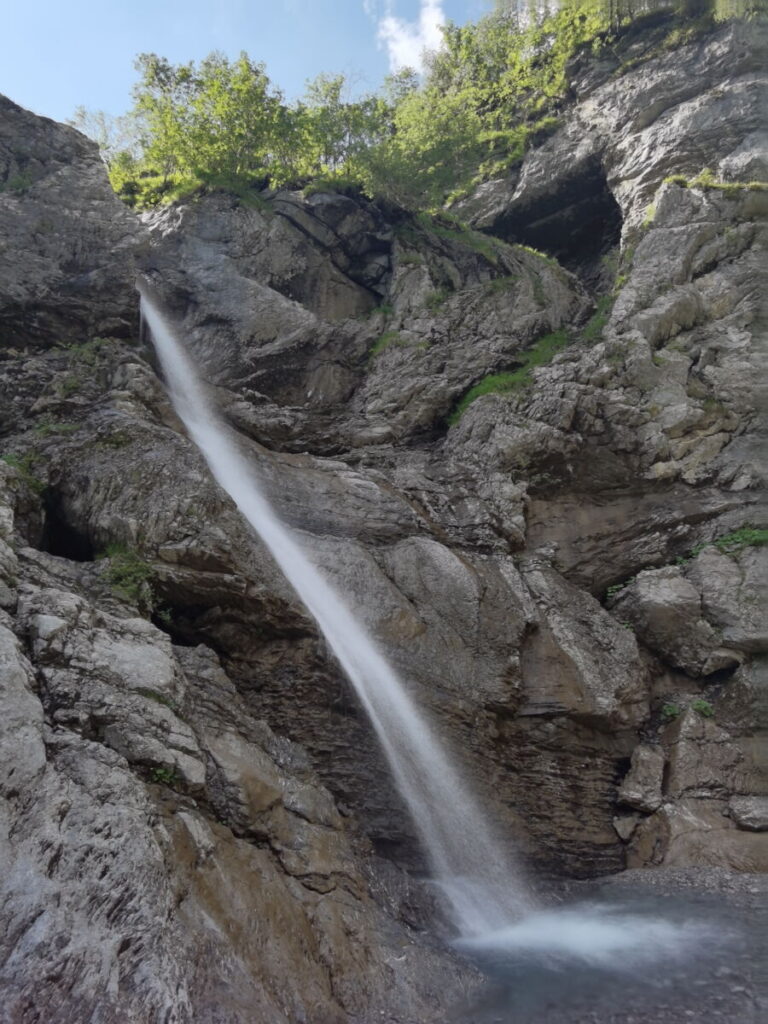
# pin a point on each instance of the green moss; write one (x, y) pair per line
(670, 712)
(116, 439)
(67, 385)
(542, 352)
(539, 254)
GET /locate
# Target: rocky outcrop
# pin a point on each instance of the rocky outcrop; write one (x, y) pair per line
(67, 244)
(188, 782)
(166, 855)
(641, 112)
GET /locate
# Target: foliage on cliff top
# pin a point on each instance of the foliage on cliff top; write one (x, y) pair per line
(493, 88)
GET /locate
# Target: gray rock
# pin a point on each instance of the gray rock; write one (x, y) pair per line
(665, 612)
(641, 788)
(78, 239)
(750, 812)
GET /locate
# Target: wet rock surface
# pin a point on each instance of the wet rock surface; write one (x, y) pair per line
(197, 822)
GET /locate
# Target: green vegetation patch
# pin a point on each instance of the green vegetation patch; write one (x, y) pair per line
(703, 708)
(436, 299)
(25, 464)
(593, 329)
(706, 180)
(386, 339)
(130, 576)
(18, 183)
(48, 427)
(501, 284)
(541, 353)
(670, 712)
(166, 776)
(450, 228)
(730, 543)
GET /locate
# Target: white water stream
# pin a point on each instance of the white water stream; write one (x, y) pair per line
(482, 885)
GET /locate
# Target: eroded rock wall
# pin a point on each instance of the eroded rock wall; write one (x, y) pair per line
(196, 818)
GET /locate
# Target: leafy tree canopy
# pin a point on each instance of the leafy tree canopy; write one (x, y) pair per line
(493, 87)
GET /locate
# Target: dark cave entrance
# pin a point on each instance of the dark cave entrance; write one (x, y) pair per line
(60, 536)
(577, 222)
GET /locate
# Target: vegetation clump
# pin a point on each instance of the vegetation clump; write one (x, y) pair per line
(542, 352)
(130, 576)
(593, 329)
(384, 341)
(25, 464)
(706, 180)
(494, 88)
(703, 708)
(730, 543)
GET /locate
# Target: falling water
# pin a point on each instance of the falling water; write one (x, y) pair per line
(482, 886)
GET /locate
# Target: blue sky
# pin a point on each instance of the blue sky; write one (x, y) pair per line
(58, 54)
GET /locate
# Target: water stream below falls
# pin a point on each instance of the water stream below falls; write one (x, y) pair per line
(485, 893)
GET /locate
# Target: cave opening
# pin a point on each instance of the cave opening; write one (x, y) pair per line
(60, 536)
(577, 222)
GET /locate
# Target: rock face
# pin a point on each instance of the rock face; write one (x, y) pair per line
(67, 243)
(639, 116)
(197, 822)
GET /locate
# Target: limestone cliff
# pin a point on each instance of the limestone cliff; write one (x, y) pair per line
(196, 822)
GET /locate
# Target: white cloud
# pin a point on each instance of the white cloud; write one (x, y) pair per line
(406, 41)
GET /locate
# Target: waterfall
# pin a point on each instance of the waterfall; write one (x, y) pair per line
(481, 884)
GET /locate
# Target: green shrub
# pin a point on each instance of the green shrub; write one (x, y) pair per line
(19, 183)
(167, 776)
(703, 708)
(450, 228)
(616, 588)
(669, 712)
(130, 575)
